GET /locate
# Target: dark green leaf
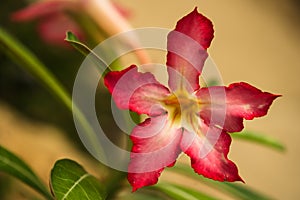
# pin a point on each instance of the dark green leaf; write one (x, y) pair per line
(14, 166)
(69, 181)
(236, 190)
(260, 139)
(178, 192)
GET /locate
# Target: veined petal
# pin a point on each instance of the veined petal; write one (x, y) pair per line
(155, 146)
(208, 152)
(139, 92)
(221, 119)
(147, 99)
(198, 27)
(227, 106)
(187, 46)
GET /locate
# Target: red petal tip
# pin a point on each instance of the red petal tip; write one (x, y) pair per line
(134, 189)
(240, 179)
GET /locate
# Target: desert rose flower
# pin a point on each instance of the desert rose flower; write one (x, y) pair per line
(183, 116)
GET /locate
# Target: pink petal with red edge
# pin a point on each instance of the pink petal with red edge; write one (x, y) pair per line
(139, 180)
(146, 99)
(242, 101)
(187, 46)
(139, 92)
(198, 27)
(220, 118)
(155, 146)
(42, 9)
(208, 153)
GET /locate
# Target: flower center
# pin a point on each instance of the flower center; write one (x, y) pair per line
(183, 110)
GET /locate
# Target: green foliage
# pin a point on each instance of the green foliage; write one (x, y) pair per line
(26, 59)
(178, 192)
(14, 166)
(143, 194)
(69, 181)
(236, 190)
(74, 41)
(259, 139)
(84, 50)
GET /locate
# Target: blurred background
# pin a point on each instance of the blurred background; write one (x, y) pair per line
(255, 41)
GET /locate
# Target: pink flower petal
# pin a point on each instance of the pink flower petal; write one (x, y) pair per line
(220, 118)
(198, 27)
(42, 9)
(208, 152)
(187, 46)
(146, 99)
(53, 28)
(139, 92)
(53, 23)
(229, 105)
(155, 146)
(124, 11)
(139, 180)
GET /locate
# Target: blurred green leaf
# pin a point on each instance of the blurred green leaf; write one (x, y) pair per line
(26, 59)
(212, 82)
(69, 181)
(151, 195)
(178, 192)
(236, 190)
(14, 166)
(139, 197)
(259, 139)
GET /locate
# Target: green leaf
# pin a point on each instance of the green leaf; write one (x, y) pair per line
(212, 82)
(178, 192)
(151, 195)
(74, 41)
(86, 51)
(260, 139)
(236, 190)
(69, 181)
(14, 166)
(26, 59)
(138, 197)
